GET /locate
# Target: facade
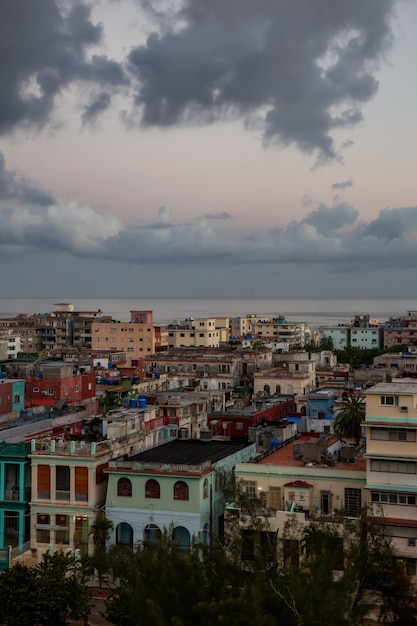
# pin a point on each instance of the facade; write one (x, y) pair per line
(279, 329)
(53, 382)
(12, 397)
(235, 423)
(340, 335)
(213, 370)
(14, 497)
(175, 486)
(366, 337)
(296, 483)
(200, 332)
(68, 490)
(391, 483)
(136, 338)
(297, 378)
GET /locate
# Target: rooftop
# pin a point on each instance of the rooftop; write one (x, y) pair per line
(188, 452)
(393, 389)
(284, 456)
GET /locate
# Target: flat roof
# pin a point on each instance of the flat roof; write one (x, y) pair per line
(284, 456)
(393, 388)
(189, 452)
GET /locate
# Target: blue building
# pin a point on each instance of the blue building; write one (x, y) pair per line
(14, 498)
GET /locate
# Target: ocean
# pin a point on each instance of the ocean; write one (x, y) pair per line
(315, 312)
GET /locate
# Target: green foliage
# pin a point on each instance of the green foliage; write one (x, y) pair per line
(348, 420)
(46, 595)
(326, 343)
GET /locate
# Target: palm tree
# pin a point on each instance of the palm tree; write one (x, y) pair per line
(349, 418)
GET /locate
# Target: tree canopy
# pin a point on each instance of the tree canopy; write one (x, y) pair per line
(46, 595)
(349, 418)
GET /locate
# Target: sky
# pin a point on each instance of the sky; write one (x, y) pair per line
(185, 148)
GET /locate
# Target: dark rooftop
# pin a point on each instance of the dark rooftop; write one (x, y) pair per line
(189, 452)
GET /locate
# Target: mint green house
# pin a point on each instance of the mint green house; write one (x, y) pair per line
(176, 486)
(14, 499)
(18, 395)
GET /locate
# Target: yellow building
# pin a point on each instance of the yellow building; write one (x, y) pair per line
(200, 333)
(391, 473)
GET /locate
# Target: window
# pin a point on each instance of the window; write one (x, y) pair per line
(389, 400)
(16, 398)
(248, 487)
(396, 467)
(152, 489)
(393, 434)
(35, 390)
(392, 497)
(124, 488)
(353, 502)
(205, 489)
(239, 425)
(62, 535)
(81, 484)
(62, 482)
(50, 391)
(181, 491)
(43, 533)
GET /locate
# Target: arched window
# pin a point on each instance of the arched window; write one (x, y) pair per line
(278, 389)
(124, 534)
(181, 491)
(182, 538)
(267, 389)
(152, 489)
(152, 533)
(124, 487)
(205, 488)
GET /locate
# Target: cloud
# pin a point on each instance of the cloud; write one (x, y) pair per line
(297, 70)
(14, 188)
(35, 222)
(327, 220)
(343, 185)
(223, 215)
(98, 104)
(46, 45)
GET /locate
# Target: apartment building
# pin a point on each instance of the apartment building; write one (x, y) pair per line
(200, 332)
(138, 338)
(280, 330)
(294, 377)
(391, 463)
(217, 369)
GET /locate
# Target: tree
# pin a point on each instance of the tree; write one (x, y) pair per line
(326, 343)
(46, 595)
(348, 420)
(100, 532)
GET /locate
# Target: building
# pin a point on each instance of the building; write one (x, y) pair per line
(294, 377)
(176, 486)
(391, 463)
(312, 477)
(12, 398)
(14, 499)
(280, 330)
(138, 338)
(68, 490)
(340, 336)
(56, 383)
(235, 423)
(200, 332)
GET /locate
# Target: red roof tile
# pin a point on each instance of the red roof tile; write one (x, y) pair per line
(299, 484)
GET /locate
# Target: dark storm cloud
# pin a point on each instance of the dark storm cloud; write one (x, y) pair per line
(327, 220)
(14, 188)
(343, 185)
(44, 45)
(95, 107)
(298, 70)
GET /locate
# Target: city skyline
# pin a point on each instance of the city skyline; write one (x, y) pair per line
(208, 149)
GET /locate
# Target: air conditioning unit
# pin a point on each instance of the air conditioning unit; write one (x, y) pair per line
(404, 409)
(412, 542)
